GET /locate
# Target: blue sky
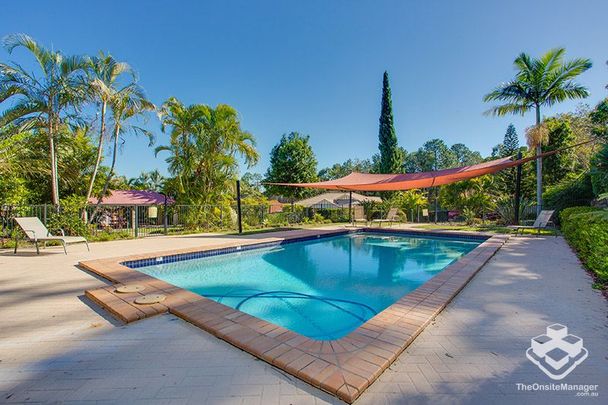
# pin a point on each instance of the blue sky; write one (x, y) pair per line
(316, 66)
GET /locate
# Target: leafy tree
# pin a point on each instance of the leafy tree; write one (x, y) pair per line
(539, 82)
(343, 169)
(571, 191)
(203, 149)
(291, 161)
(433, 155)
(103, 74)
(599, 119)
(27, 163)
(41, 101)
(465, 156)
(13, 186)
(557, 167)
(390, 156)
(599, 171)
(251, 186)
(473, 194)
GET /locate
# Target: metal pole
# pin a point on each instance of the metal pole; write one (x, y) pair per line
(165, 216)
(350, 206)
(136, 221)
(517, 190)
(238, 205)
(436, 195)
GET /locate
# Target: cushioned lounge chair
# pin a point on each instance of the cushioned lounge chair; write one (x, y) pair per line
(36, 232)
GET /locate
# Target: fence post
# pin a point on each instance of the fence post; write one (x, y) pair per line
(518, 190)
(238, 205)
(165, 216)
(136, 222)
(436, 206)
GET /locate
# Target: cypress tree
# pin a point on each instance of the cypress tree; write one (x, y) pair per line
(390, 156)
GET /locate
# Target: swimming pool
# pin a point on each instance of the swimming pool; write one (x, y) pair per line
(322, 288)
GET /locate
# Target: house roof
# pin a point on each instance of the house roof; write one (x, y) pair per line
(132, 197)
(333, 197)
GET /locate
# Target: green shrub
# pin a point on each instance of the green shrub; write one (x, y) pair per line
(69, 217)
(570, 192)
(586, 229)
(105, 236)
(505, 207)
(469, 216)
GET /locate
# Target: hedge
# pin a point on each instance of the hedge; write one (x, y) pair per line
(586, 230)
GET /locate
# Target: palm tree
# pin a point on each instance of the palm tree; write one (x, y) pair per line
(151, 180)
(538, 83)
(39, 102)
(128, 103)
(186, 122)
(103, 72)
(204, 145)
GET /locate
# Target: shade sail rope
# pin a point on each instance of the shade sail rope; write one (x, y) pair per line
(408, 181)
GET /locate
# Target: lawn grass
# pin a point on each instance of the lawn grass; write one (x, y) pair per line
(490, 228)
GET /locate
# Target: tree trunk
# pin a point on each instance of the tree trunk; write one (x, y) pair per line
(539, 169)
(52, 155)
(110, 174)
(99, 151)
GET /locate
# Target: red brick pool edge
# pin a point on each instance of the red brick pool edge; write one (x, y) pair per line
(344, 367)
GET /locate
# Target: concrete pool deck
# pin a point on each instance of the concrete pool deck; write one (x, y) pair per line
(55, 345)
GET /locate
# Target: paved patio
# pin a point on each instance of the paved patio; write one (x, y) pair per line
(57, 346)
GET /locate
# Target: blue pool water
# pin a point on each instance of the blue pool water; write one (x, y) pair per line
(322, 288)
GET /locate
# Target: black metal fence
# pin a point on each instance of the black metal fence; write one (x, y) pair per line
(140, 221)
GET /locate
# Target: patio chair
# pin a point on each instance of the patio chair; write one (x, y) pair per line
(35, 231)
(359, 216)
(541, 222)
(391, 216)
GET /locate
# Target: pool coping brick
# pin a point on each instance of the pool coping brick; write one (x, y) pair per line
(343, 367)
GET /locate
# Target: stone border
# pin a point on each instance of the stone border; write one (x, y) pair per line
(344, 367)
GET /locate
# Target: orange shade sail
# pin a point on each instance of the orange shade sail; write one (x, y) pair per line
(407, 181)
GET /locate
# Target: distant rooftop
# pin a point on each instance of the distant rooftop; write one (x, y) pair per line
(133, 197)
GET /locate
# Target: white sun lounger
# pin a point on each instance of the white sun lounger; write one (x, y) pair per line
(391, 216)
(35, 231)
(541, 223)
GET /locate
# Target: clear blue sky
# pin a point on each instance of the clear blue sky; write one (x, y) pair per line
(316, 66)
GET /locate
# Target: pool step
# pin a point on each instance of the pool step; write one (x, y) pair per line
(123, 306)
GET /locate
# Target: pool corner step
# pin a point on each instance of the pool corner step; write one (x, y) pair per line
(123, 306)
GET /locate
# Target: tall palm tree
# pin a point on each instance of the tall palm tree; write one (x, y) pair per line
(204, 145)
(185, 122)
(539, 82)
(39, 102)
(103, 73)
(126, 104)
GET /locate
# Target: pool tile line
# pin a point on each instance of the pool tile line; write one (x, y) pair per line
(343, 367)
